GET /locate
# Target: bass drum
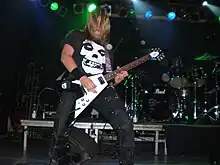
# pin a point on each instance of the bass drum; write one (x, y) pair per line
(48, 100)
(156, 104)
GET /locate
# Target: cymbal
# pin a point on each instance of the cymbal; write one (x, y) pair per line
(205, 57)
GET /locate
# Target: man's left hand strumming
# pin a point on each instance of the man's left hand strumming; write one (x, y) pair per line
(120, 76)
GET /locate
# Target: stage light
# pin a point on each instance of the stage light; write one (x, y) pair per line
(205, 3)
(132, 12)
(54, 6)
(171, 16)
(148, 14)
(91, 7)
(78, 8)
(219, 18)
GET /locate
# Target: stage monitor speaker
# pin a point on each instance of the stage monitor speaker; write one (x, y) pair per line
(82, 146)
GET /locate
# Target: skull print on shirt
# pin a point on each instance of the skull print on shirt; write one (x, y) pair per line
(93, 57)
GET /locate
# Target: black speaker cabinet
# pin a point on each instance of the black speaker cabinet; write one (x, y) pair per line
(82, 146)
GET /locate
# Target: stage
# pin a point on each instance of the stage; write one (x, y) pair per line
(11, 153)
(176, 144)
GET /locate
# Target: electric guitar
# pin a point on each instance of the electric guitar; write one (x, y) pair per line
(101, 81)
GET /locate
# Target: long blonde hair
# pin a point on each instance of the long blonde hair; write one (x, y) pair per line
(101, 17)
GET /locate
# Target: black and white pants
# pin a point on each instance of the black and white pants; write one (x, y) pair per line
(112, 108)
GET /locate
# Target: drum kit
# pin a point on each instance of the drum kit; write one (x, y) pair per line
(183, 95)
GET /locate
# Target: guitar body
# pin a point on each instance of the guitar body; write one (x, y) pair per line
(84, 101)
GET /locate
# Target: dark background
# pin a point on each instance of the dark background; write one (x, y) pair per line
(32, 33)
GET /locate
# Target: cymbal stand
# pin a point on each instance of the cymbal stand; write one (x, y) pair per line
(126, 95)
(178, 114)
(216, 97)
(134, 98)
(216, 107)
(195, 99)
(205, 96)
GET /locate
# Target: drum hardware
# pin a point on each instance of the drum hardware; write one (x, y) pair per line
(126, 94)
(195, 100)
(198, 76)
(135, 97)
(181, 103)
(179, 82)
(193, 85)
(216, 90)
(177, 77)
(205, 96)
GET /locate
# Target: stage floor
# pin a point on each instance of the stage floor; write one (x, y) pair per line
(11, 154)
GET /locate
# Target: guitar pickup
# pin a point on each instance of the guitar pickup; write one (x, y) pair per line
(101, 80)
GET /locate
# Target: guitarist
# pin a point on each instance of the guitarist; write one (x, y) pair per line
(84, 54)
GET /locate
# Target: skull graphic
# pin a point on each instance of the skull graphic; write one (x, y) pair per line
(94, 57)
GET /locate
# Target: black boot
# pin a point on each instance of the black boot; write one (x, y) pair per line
(59, 152)
(126, 156)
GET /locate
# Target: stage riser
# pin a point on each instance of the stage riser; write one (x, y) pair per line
(193, 140)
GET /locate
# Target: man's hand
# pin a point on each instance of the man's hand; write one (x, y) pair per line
(120, 76)
(88, 84)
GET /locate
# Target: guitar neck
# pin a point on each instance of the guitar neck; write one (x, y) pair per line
(127, 67)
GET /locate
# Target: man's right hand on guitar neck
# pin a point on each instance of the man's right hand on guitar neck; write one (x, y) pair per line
(88, 84)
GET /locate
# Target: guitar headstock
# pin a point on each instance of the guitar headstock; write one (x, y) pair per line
(157, 54)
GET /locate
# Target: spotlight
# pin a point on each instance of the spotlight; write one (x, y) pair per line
(171, 16)
(205, 3)
(54, 6)
(91, 7)
(78, 8)
(148, 14)
(132, 11)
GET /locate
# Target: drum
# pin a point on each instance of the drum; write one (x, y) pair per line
(198, 75)
(155, 103)
(178, 78)
(48, 100)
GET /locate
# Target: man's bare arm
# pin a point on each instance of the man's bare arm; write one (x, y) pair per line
(67, 59)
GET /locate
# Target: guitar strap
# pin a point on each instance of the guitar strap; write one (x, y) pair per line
(108, 62)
